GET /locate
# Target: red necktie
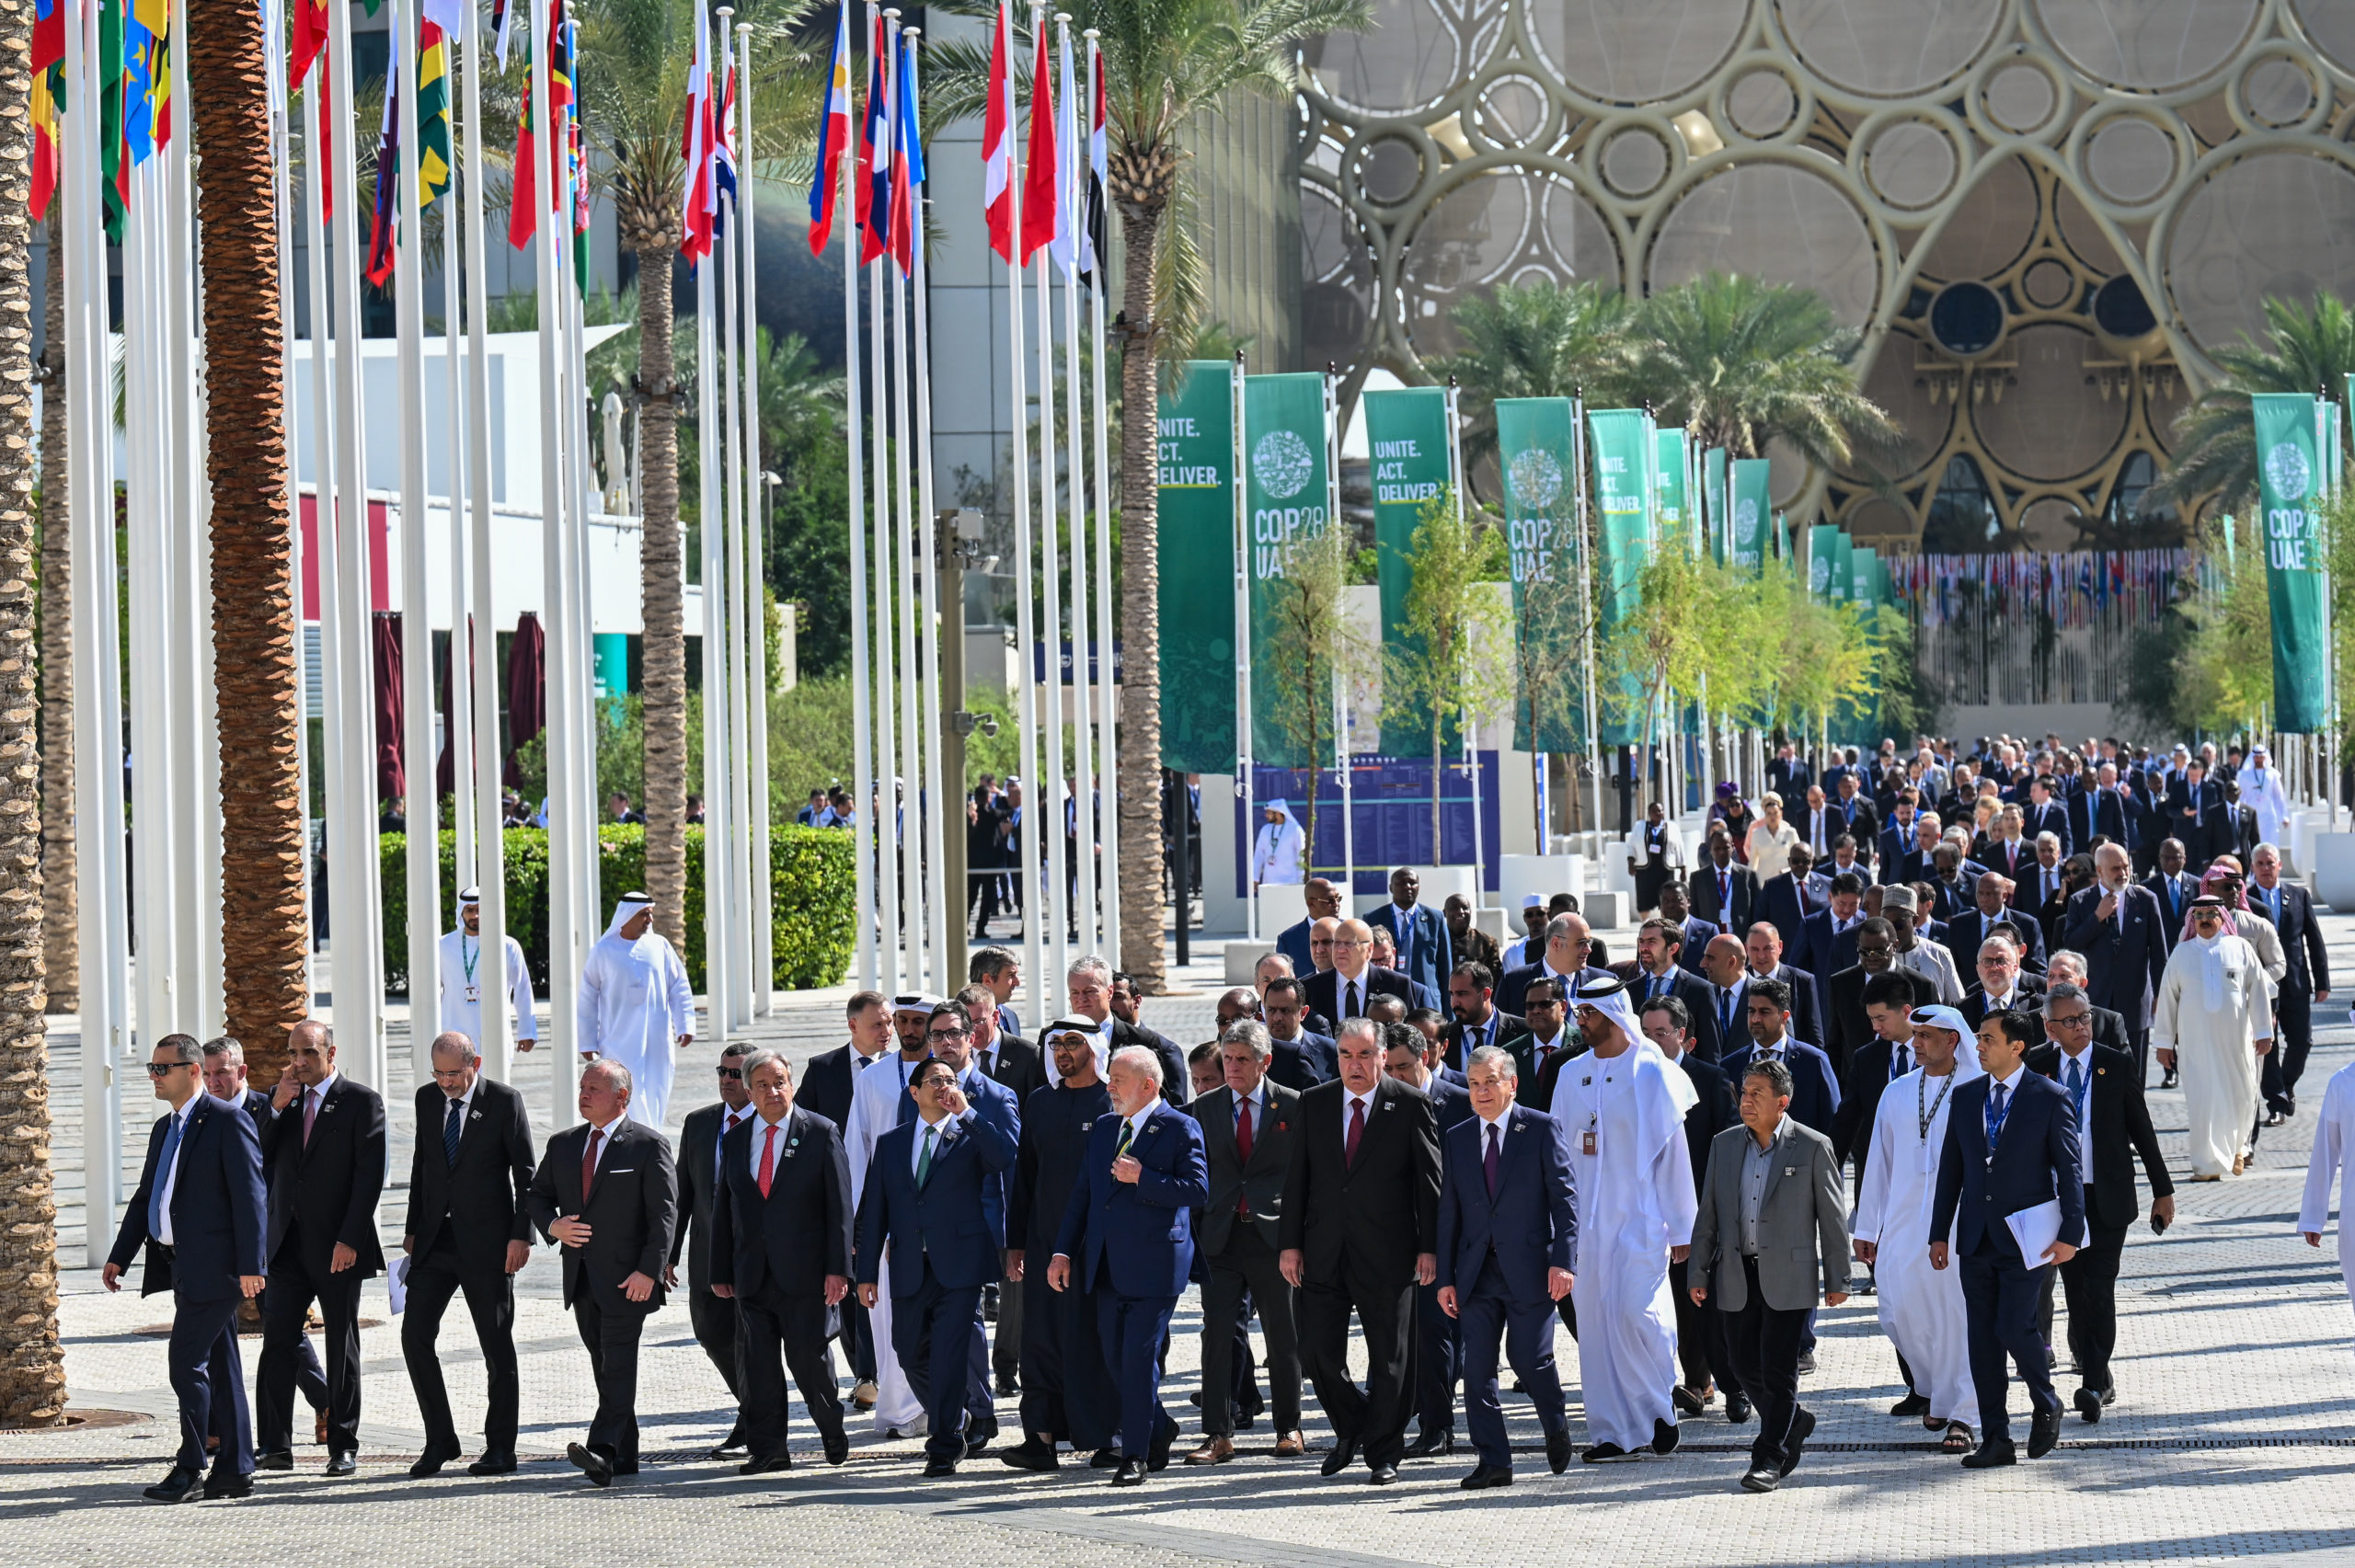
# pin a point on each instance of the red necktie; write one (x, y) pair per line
(1242, 1151)
(589, 1164)
(1357, 1131)
(310, 1114)
(768, 1158)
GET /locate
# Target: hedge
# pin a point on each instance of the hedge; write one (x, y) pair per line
(812, 872)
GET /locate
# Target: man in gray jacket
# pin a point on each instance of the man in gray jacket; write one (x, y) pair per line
(1771, 1210)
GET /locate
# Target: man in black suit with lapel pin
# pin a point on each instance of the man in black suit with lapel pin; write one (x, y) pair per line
(607, 1190)
(1474, 1019)
(1343, 992)
(2004, 987)
(467, 1229)
(1015, 1064)
(1508, 1231)
(1359, 1231)
(1438, 1342)
(2292, 910)
(712, 1317)
(199, 1212)
(324, 1155)
(2113, 1129)
(1848, 1030)
(1724, 891)
(826, 1084)
(1656, 974)
(781, 1251)
(2012, 1149)
(2123, 931)
(1762, 952)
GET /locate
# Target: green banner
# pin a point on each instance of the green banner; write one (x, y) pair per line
(1843, 550)
(1671, 510)
(1534, 446)
(2290, 484)
(1286, 497)
(1406, 445)
(1822, 549)
(1195, 452)
(1751, 506)
(1627, 484)
(1713, 500)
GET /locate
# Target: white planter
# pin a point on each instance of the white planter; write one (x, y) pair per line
(1608, 911)
(2334, 879)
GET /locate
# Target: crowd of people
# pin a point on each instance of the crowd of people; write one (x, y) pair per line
(1854, 1048)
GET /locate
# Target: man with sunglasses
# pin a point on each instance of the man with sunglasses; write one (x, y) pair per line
(713, 1318)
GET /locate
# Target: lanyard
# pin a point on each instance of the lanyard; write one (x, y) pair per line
(468, 959)
(1925, 1115)
(1995, 1118)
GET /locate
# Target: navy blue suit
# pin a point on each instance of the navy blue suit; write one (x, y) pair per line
(1292, 942)
(1305, 1063)
(1494, 1251)
(997, 1105)
(1697, 933)
(218, 1223)
(2049, 818)
(1812, 951)
(1131, 1244)
(945, 1246)
(2036, 1159)
(2121, 958)
(1426, 950)
(1815, 1088)
(1783, 904)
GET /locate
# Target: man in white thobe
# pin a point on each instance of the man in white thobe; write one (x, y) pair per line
(2212, 1018)
(462, 977)
(2334, 1157)
(2262, 793)
(635, 1006)
(1921, 1307)
(1280, 850)
(880, 1101)
(1622, 1106)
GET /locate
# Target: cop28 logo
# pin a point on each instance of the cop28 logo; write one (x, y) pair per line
(1536, 479)
(2286, 469)
(1819, 573)
(1283, 463)
(1745, 520)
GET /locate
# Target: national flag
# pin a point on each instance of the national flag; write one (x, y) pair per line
(47, 67)
(310, 39)
(580, 210)
(694, 148)
(997, 138)
(523, 212)
(833, 135)
(432, 112)
(1039, 181)
(723, 156)
(1064, 247)
(503, 27)
(907, 169)
(146, 78)
(389, 163)
(874, 154)
(1091, 239)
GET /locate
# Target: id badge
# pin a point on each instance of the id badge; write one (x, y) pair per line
(1587, 1142)
(474, 993)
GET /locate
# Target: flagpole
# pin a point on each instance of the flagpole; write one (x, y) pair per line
(730, 854)
(274, 64)
(457, 725)
(1050, 572)
(885, 806)
(1108, 867)
(1083, 789)
(762, 966)
(490, 842)
(863, 835)
(1586, 619)
(710, 447)
(148, 539)
(918, 930)
(1250, 834)
(588, 890)
(940, 792)
(326, 575)
(1026, 699)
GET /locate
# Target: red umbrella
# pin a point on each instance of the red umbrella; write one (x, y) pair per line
(527, 706)
(391, 780)
(444, 774)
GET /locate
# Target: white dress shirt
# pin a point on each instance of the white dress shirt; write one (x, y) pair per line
(172, 1172)
(783, 1126)
(1348, 1099)
(605, 1142)
(940, 1142)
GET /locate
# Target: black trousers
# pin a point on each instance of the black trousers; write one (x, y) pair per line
(1764, 1342)
(983, 904)
(780, 1329)
(857, 1337)
(610, 1324)
(2293, 1031)
(1067, 1382)
(713, 1322)
(1006, 1351)
(1439, 1364)
(284, 1307)
(210, 1385)
(2089, 1282)
(2001, 1293)
(1247, 1267)
(434, 1279)
(1375, 1419)
(931, 1332)
(1701, 1347)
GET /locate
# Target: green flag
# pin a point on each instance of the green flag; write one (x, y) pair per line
(1713, 500)
(1406, 445)
(1823, 554)
(1673, 515)
(1196, 554)
(1286, 497)
(2290, 484)
(1627, 485)
(1534, 446)
(1751, 507)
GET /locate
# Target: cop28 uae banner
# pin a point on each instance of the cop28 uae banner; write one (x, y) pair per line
(1751, 507)
(1536, 450)
(1195, 455)
(1408, 452)
(1713, 501)
(1671, 509)
(1627, 485)
(1285, 497)
(2290, 488)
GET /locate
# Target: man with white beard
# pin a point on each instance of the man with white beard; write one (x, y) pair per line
(880, 1101)
(2334, 1156)
(1622, 1106)
(2214, 1017)
(1921, 1308)
(634, 1007)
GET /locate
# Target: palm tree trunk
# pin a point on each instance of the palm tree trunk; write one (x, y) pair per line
(32, 1365)
(1141, 185)
(665, 661)
(61, 935)
(264, 933)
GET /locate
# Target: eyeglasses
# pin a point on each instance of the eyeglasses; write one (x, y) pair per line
(165, 1069)
(731, 1072)
(945, 1035)
(2068, 1021)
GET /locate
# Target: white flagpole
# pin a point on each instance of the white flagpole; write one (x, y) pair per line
(918, 927)
(457, 725)
(1026, 697)
(1237, 407)
(581, 483)
(711, 447)
(490, 842)
(423, 855)
(863, 835)
(734, 851)
(325, 570)
(943, 795)
(1107, 694)
(154, 759)
(274, 65)
(762, 967)
(885, 805)
(1082, 790)
(1053, 905)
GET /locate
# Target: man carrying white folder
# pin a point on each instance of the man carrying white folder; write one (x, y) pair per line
(2011, 1181)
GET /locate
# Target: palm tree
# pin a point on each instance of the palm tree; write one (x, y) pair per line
(33, 1371)
(61, 936)
(1742, 363)
(1535, 339)
(2304, 349)
(1165, 61)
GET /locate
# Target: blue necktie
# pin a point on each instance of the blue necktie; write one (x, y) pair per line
(162, 1176)
(2077, 1093)
(450, 1127)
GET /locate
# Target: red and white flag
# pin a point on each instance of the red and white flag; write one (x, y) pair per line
(695, 148)
(1041, 207)
(997, 139)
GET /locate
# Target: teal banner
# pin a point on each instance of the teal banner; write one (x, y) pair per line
(1713, 501)
(1752, 505)
(1535, 448)
(1195, 454)
(1822, 549)
(2291, 475)
(1406, 445)
(1627, 484)
(1287, 498)
(1671, 507)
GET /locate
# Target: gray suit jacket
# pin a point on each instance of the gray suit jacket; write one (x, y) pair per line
(1260, 1180)
(1804, 1210)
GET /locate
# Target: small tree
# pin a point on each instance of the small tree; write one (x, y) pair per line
(1455, 662)
(1311, 648)
(1688, 611)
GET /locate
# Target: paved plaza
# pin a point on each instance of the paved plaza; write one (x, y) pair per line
(2233, 1436)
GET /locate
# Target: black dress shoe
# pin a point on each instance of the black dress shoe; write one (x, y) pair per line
(936, 1468)
(1156, 1452)
(1130, 1473)
(276, 1459)
(219, 1486)
(181, 1486)
(1557, 1450)
(1760, 1478)
(594, 1465)
(1688, 1401)
(1344, 1450)
(1807, 1362)
(1802, 1428)
(344, 1463)
(493, 1464)
(1008, 1387)
(836, 1446)
(762, 1464)
(1484, 1476)
(1431, 1443)
(2088, 1403)
(2043, 1433)
(1604, 1453)
(430, 1462)
(1382, 1475)
(2168, 1082)
(1736, 1408)
(1664, 1436)
(1912, 1404)
(730, 1446)
(1029, 1454)
(974, 1444)
(1247, 1416)
(1989, 1455)
(1104, 1458)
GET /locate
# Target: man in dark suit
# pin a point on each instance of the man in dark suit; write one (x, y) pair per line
(1414, 1060)
(1992, 897)
(781, 1250)
(1127, 1238)
(1508, 1227)
(1722, 891)
(948, 1034)
(2195, 815)
(607, 1191)
(2011, 1146)
(467, 1229)
(826, 1081)
(712, 1316)
(2004, 987)
(1569, 944)
(1889, 999)
(2119, 814)
(1124, 1003)
(927, 1197)
(1849, 1030)
(2174, 887)
(1826, 935)
(1426, 952)
(1474, 1019)
(2114, 1130)
(1701, 1349)
(199, 1213)
(1006, 1058)
(2292, 910)
(1360, 1231)
(2043, 813)
(1815, 1093)
(2123, 934)
(1858, 817)
(324, 1156)
(1249, 1129)
(1676, 907)
(1784, 900)
(1302, 1058)
(1901, 833)
(2240, 833)
(1343, 992)
(1787, 775)
(1656, 974)
(1323, 897)
(1762, 952)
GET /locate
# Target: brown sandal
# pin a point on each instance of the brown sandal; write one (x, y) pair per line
(1957, 1439)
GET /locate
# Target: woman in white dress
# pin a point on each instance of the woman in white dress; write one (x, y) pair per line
(1771, 839)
